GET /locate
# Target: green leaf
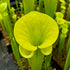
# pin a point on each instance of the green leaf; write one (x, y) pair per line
(8, 3)
(28, 6)
(68, 13)
(17, 4)
(12, 11)
(40, 5)
(36, 30)
(7, 23)
(25, 53)
(3, 27)
(16, 51)
(50, 7)
(61, 43)
(68, 45)
(47, 62)
(67, 63)
(3, 7)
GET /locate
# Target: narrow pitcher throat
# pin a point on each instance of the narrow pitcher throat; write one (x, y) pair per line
(36, 42)
(36, 39)
(38, 51)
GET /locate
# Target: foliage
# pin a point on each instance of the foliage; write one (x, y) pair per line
(34, 37)
(35, 33)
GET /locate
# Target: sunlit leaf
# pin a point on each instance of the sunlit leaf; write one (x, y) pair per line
(36, 30)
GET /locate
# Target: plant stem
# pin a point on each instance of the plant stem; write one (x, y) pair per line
(62, 40)
(28, 6)
(8, 3)
(35, 2)
(68, 13)
(47, 61)
(16, 51)
(50, 7)
(3, 28)
(14, 18)
(36, 60)
(9, 29)
(67, 64)
(68, 1)
(21, 5)
(13, 42)
(26, 63)
(40, 5)
(7, 23)
(68, 45)
(17, 4)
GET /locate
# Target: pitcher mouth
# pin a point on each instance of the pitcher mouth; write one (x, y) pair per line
(35, 43)
(35, 30)
(3, 7)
